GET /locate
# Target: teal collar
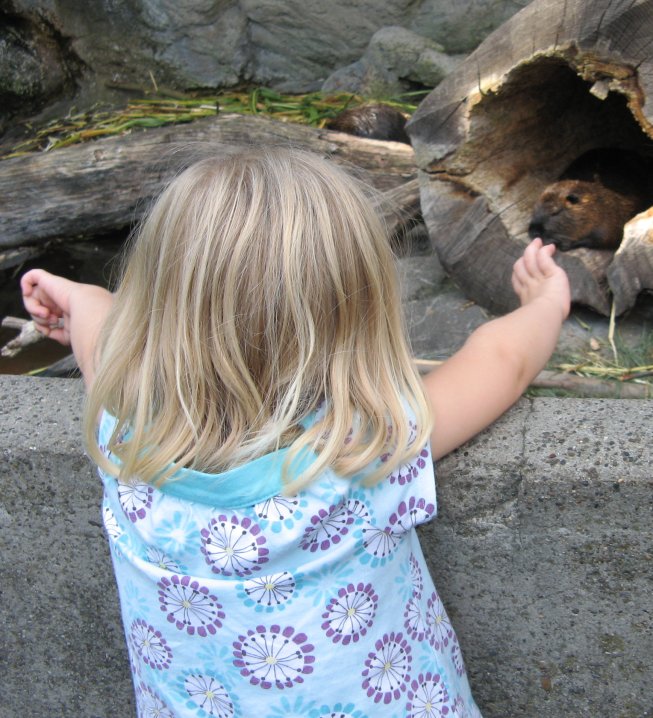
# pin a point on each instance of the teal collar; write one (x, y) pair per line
(245, 485)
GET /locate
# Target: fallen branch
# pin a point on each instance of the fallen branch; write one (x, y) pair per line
(15, 257)
(581, 386)
(28, 334)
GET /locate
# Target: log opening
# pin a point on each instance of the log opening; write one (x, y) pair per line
(524, 136)
(556, 81)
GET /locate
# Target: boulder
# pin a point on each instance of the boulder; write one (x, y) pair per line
(395, 61)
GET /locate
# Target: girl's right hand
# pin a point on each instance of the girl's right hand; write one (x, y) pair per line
(69, 312)
(47, 299)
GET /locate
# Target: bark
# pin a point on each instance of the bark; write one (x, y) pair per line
(558, 79)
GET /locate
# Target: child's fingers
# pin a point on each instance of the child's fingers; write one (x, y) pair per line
(545, 260)
(516, 284)
(520, 271)
(530, 256)
(38, 311)
(44, 293)
(28, 281)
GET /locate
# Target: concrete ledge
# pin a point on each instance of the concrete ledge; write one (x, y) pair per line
(543, 552)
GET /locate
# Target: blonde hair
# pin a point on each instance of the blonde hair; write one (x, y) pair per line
(260, 284)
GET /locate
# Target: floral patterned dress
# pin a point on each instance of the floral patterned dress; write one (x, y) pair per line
(238, 602)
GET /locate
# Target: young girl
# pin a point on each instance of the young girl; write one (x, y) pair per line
(266, 445)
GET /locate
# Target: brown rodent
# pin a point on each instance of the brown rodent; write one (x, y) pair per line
(375, 122)
(596, 196)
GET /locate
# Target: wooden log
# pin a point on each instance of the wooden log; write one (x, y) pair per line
(632, 268)
(107, 184)
(559, 78)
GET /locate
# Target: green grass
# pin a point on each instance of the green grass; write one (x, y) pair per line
(313, 108)
(633, 360)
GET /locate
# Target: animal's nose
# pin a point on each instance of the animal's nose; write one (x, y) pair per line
(535, 229)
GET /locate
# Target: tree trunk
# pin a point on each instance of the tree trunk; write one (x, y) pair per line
(558, 79)
(107, 184)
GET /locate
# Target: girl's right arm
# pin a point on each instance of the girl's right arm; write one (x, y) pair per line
(69, 312)
(501, 358)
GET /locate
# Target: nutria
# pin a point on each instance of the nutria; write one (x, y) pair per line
(375, 122)
(595, 197)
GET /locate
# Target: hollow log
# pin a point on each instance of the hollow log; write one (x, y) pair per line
(558, 79)
(106, 185)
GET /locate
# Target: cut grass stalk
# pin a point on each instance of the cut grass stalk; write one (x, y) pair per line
(313, 108)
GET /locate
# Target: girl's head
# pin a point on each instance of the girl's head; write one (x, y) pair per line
(260, 283)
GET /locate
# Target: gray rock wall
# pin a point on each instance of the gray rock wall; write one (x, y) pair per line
(542, 551)
(50, 48)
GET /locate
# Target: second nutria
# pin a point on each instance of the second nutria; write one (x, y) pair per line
(375, 122)
(596, 196)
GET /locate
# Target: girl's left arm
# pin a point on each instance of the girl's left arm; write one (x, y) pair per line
(68, 312)
(499, 360)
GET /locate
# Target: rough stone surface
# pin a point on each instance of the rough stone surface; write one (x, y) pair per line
(62, 641)
(545, 530)
(33, 65)
(292, 45)
(541, 552)
(395, 61)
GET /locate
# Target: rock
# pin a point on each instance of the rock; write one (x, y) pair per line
(395, 60)
(33, 67)
(461, 25)
(50, 48)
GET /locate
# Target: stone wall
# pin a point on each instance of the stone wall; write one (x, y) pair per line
(52, 50)
(542, 551)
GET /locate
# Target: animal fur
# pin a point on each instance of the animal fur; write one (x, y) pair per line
(595, 197)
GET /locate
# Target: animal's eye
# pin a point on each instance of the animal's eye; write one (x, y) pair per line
(572, 198)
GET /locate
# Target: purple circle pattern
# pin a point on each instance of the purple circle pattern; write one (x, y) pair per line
(190, 606)
(273, 657)
(414, 621)
(380, 543)
(135, 500)
(387, 669)
(457, 656)
(350, 613)
(270, 591)
(427, 697)
(416, 576)
(233, 546)
(150, 645)
(328, 527)
(277, 508)
(209, 695)
(407, 472)
(411, 514)
(440, 627)
(150, 705)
